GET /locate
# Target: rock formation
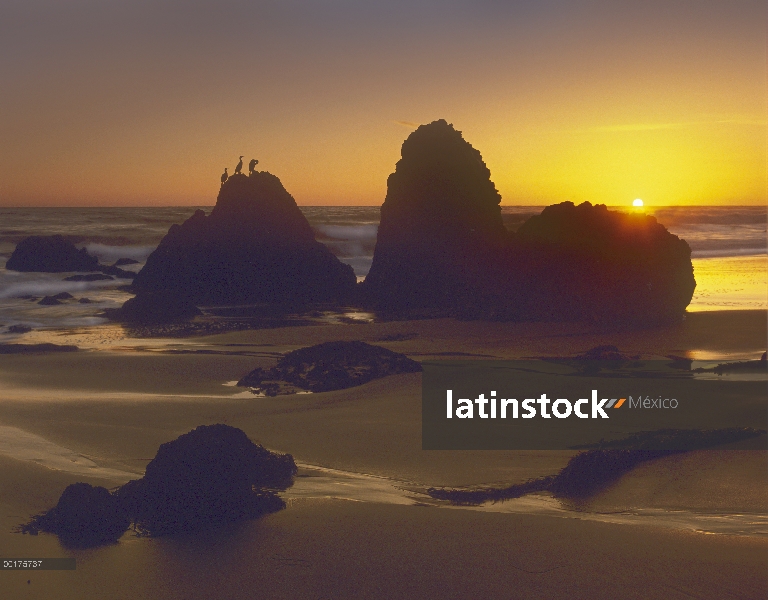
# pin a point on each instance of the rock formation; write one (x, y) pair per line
(56, 254)
(125, 261)
(50, 254)
(586, 262)
(255, 247)
(209, 476)
(439, 221)
(154, 307)
(443, 249)
(84, 516)
(328, 366)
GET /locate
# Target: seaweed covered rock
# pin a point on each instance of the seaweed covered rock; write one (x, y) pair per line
(439, 222)
(255, 247)
(586, 262)
(50, 254)
(84, 516)
(329, 366)
(209, 476)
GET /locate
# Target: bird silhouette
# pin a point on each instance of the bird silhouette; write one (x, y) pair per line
(239, 167)
(224, 176)
(252, 166)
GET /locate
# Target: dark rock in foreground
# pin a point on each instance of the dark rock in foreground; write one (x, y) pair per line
(50, 254)
(329, 366)
(84, 516)
(255, 247)
(154, 307)
(209, 476)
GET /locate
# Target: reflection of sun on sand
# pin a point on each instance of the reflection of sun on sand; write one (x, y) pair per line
(114, 409)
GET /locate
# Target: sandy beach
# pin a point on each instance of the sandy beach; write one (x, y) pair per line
(358, 524)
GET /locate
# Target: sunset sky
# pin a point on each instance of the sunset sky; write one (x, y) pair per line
(107, 102)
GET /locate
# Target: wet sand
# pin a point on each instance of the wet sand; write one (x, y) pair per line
(99, 416)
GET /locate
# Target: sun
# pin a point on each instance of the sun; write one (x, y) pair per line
(637, 203)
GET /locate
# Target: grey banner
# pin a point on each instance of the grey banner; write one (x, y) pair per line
(561, 404)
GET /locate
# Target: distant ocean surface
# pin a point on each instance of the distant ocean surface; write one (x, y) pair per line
(728, 245)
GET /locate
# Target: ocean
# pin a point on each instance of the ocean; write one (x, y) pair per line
(728, 248)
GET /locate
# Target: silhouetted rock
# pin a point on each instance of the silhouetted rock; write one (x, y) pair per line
(117, 272)
(328, 366)
(89, 277)
(209, 476)
(256, 246)
(19, 329)
(84, 516)
(50, 254)
(84, 300)
(439, 221)
(151, 307)
(55, 300)
(442, 249)
(588, 263)
(125, 261)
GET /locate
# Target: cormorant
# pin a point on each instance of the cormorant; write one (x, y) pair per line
(239, 167)
(252, 166)
(224, 176)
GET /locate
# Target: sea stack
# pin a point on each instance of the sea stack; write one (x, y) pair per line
(256, 247)
(50, 254)
(440, 220)
(442, 249)
(586, 262)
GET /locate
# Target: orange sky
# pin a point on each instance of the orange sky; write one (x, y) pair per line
(141, 103)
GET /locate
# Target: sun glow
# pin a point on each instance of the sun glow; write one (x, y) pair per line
(637, 203)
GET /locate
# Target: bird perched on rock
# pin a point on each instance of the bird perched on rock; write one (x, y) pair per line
(252, 166)
(239, 167)
(224, 176)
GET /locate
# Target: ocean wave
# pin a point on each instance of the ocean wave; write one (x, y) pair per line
(348, 232)
(726, 252)
(712, 215)
(109, 253)
(47, 287)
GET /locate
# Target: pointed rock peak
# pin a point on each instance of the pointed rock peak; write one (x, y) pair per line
(442, 185)
(260, 200)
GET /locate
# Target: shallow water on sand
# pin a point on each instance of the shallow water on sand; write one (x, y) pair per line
(316, 482)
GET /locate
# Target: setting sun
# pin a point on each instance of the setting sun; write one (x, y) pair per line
(637, 203)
